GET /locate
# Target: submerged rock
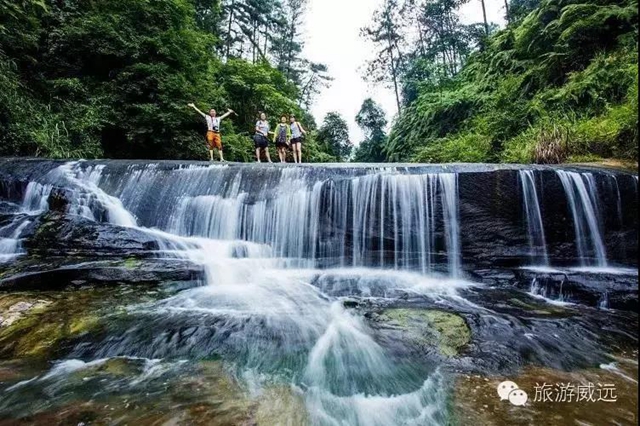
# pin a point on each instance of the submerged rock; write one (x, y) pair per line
(475, 399)
(445, 331)
(53, 321)
(281, 406)
(14, 308)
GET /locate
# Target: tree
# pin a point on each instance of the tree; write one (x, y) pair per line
(113, 78)
(315, 78)
(484, 18)
(371, 119)
(385, 34)
(334, 134)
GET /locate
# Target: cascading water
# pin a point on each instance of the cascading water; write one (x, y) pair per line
(301, 266)
(583, 201)
(33, 203)
(261, 239)
(385, 219)
(537, 240)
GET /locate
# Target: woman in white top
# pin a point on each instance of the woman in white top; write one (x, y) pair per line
(213, 129)
(296, 139)
(261, 139)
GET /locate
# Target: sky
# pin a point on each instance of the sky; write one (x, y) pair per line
(332, 36)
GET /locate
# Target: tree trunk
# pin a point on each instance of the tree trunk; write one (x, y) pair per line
(266, 37)
(255, 41)
(290, 55)
(484, 15)
(229, 30)
(421, 35)
(394, 73)
(506, 8)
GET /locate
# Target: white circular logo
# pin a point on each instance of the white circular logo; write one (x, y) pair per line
(505, 388)
(518, 397)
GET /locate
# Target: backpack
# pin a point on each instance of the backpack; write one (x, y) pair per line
(282, 133)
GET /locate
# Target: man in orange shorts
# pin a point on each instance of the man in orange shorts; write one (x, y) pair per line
(213, 129)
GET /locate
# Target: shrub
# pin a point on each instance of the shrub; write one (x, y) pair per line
(465, 148)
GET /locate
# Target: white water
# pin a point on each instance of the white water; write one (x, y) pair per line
(281, 252)
(541, 292)
(582, 196)
(33, 203)
(535, 228)
(261, 250)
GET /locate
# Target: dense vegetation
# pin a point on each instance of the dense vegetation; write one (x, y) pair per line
(113, 78)
(559, 83)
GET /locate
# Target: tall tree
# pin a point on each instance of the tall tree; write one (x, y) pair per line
(371, 119)
(314, 79)
(484, 17)
(334, 134)
(386, 35)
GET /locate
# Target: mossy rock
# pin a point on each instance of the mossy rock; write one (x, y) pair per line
(281, 406)
(446, 331)
(41, 329)
(539, 309)
(132, 263)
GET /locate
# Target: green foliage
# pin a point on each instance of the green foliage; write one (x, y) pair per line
(333, 135)
(466, 148)
(90, 79)
(371, 119)
(558, 83)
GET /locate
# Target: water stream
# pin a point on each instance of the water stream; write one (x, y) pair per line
(285, 251)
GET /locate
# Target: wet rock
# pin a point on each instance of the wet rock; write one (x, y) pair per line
(281, 406)
(59, 200)
(445, 331)
(14, 308)
(60, 318)
(476, 400)
(605, 290)
(57, 234)
(55, 273)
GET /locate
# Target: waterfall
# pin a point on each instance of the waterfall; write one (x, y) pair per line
(537, 240)
(385, 219)
(321, 280)
(34, 202)
(449, 185)
(583, 202)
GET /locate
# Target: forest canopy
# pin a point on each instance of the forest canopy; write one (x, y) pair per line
(113, 78)
(559, 83)
(88, 79)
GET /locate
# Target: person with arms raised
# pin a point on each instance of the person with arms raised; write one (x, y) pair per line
(213, 129)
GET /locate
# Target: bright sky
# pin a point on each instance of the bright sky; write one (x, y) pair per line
(332, 36)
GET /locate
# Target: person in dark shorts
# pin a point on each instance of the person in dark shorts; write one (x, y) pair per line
(281, 138)
(297, 133)
(261, 138)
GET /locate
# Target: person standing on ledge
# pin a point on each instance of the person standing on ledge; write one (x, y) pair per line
(213, 129)
(281, 138)
(261, 138)
(297, 133)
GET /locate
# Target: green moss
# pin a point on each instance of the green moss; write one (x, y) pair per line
(41, 330)
(132, 263)
(447, 331)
